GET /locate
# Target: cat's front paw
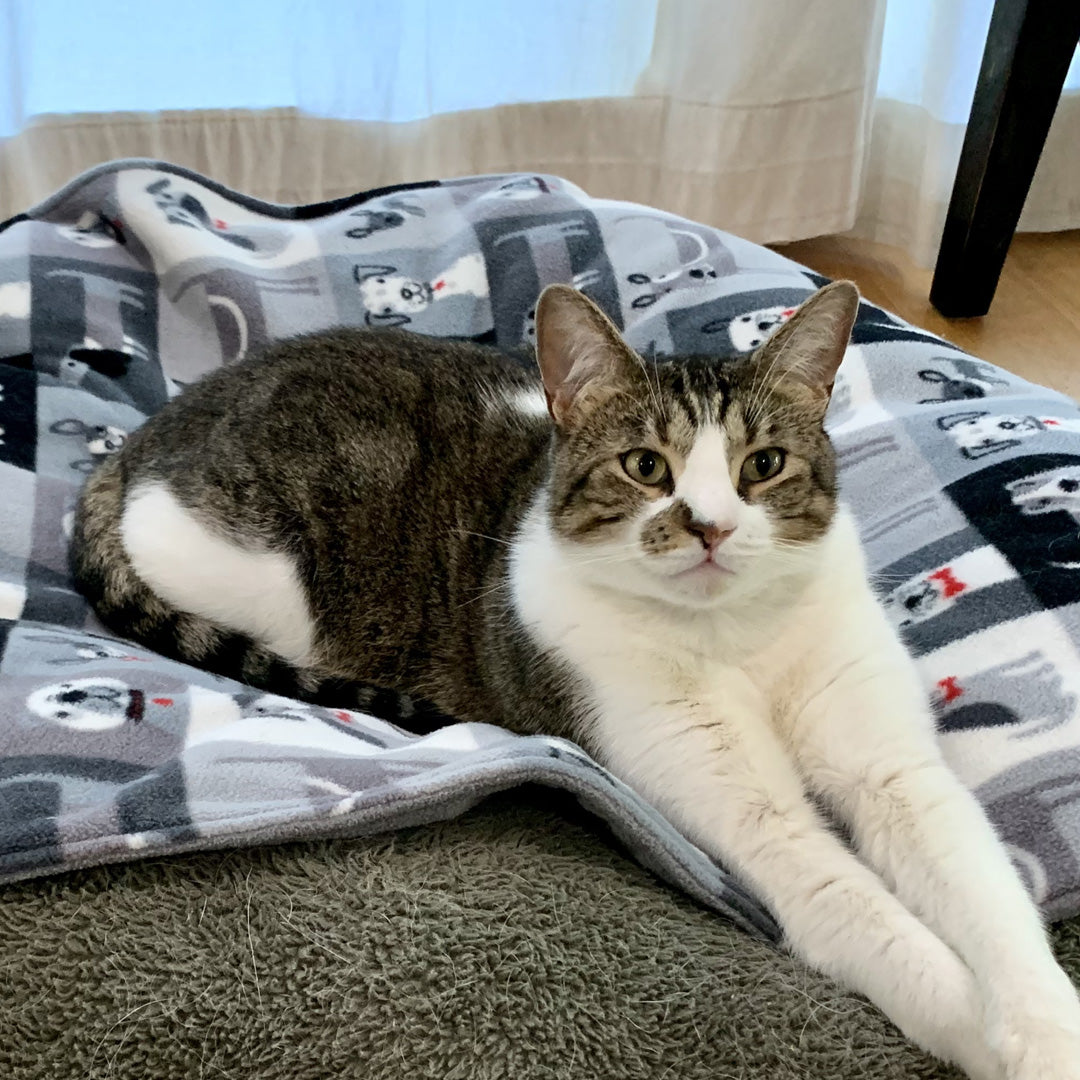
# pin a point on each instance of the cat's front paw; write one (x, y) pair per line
(1038, 1047)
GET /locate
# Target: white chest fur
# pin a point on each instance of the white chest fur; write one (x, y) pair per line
(636, 653)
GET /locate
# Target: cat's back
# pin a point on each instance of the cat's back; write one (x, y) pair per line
(342, 392)
(364, 371)
(413, 365)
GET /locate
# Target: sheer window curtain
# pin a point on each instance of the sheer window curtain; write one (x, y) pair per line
(768, 119)
(931, 52)
(705, 107)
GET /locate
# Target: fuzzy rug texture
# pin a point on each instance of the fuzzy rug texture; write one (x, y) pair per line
(516, 942)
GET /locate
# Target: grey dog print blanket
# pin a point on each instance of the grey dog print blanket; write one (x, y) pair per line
(139, 277)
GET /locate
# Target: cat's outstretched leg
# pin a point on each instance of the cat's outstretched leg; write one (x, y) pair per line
(867, 743)
(714, 766)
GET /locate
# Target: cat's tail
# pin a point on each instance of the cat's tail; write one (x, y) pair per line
(130, 608)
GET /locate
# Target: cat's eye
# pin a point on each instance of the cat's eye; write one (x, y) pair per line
(646, 467)
(763, 465)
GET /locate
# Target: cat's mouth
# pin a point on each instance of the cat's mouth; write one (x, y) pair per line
(708, 568)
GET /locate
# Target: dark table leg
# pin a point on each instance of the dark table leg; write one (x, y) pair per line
(1028, 51)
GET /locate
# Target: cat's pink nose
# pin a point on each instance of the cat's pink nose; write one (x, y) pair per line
(709, 533)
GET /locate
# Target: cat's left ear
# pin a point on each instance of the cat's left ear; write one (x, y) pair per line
(808, 348)
(578, 348)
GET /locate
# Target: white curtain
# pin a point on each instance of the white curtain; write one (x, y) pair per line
(931, 53)
(710, 108)
(767, 119)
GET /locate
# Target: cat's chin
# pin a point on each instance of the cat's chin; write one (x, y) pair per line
(701, 586)
(697, 587)
(733, 582)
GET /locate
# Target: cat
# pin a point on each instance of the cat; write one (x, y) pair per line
(648, 558)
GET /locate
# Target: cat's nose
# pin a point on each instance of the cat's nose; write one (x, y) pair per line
(709, 533)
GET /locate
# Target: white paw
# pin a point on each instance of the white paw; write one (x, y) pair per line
(978, 1062)
(1038, 1047)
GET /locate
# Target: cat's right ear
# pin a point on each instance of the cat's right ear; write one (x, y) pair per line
(577, 346)
(808, 348)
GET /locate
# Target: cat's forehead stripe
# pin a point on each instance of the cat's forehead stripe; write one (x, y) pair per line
(676, 424)
(700, 391)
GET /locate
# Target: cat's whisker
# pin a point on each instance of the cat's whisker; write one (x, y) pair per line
(610, 557)
(485, 536)
(486, 592)
(654, 393)
(613, 557)
(755, 397)
(626, 545)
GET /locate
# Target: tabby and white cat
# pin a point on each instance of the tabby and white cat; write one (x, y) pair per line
(646, 558)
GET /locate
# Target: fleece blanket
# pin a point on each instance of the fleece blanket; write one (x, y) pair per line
(139, 277)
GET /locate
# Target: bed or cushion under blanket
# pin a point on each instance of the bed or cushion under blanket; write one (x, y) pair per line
(511, 943)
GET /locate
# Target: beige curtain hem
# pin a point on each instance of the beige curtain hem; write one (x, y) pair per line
(765, 172)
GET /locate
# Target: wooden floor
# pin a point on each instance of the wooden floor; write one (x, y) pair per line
(1033, 327)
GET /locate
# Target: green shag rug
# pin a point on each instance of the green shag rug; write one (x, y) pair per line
(515, 942)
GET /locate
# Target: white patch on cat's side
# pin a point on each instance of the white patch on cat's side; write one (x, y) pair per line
(253, 591)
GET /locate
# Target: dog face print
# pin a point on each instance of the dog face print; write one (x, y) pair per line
(267, 706)
(925, 595)
(182, 208)
(950, 389)
(1048, 492)
(977, 434)
(100, 440)
(391, 298)
(373, 221)
(971, 379)
(105, 439)
(83, 650)
(95, 704)
(748, 331)
(520, 189)
(1026, 691)
(368, 222)
(916, 600)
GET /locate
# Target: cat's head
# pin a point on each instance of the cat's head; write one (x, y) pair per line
(695, 480)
